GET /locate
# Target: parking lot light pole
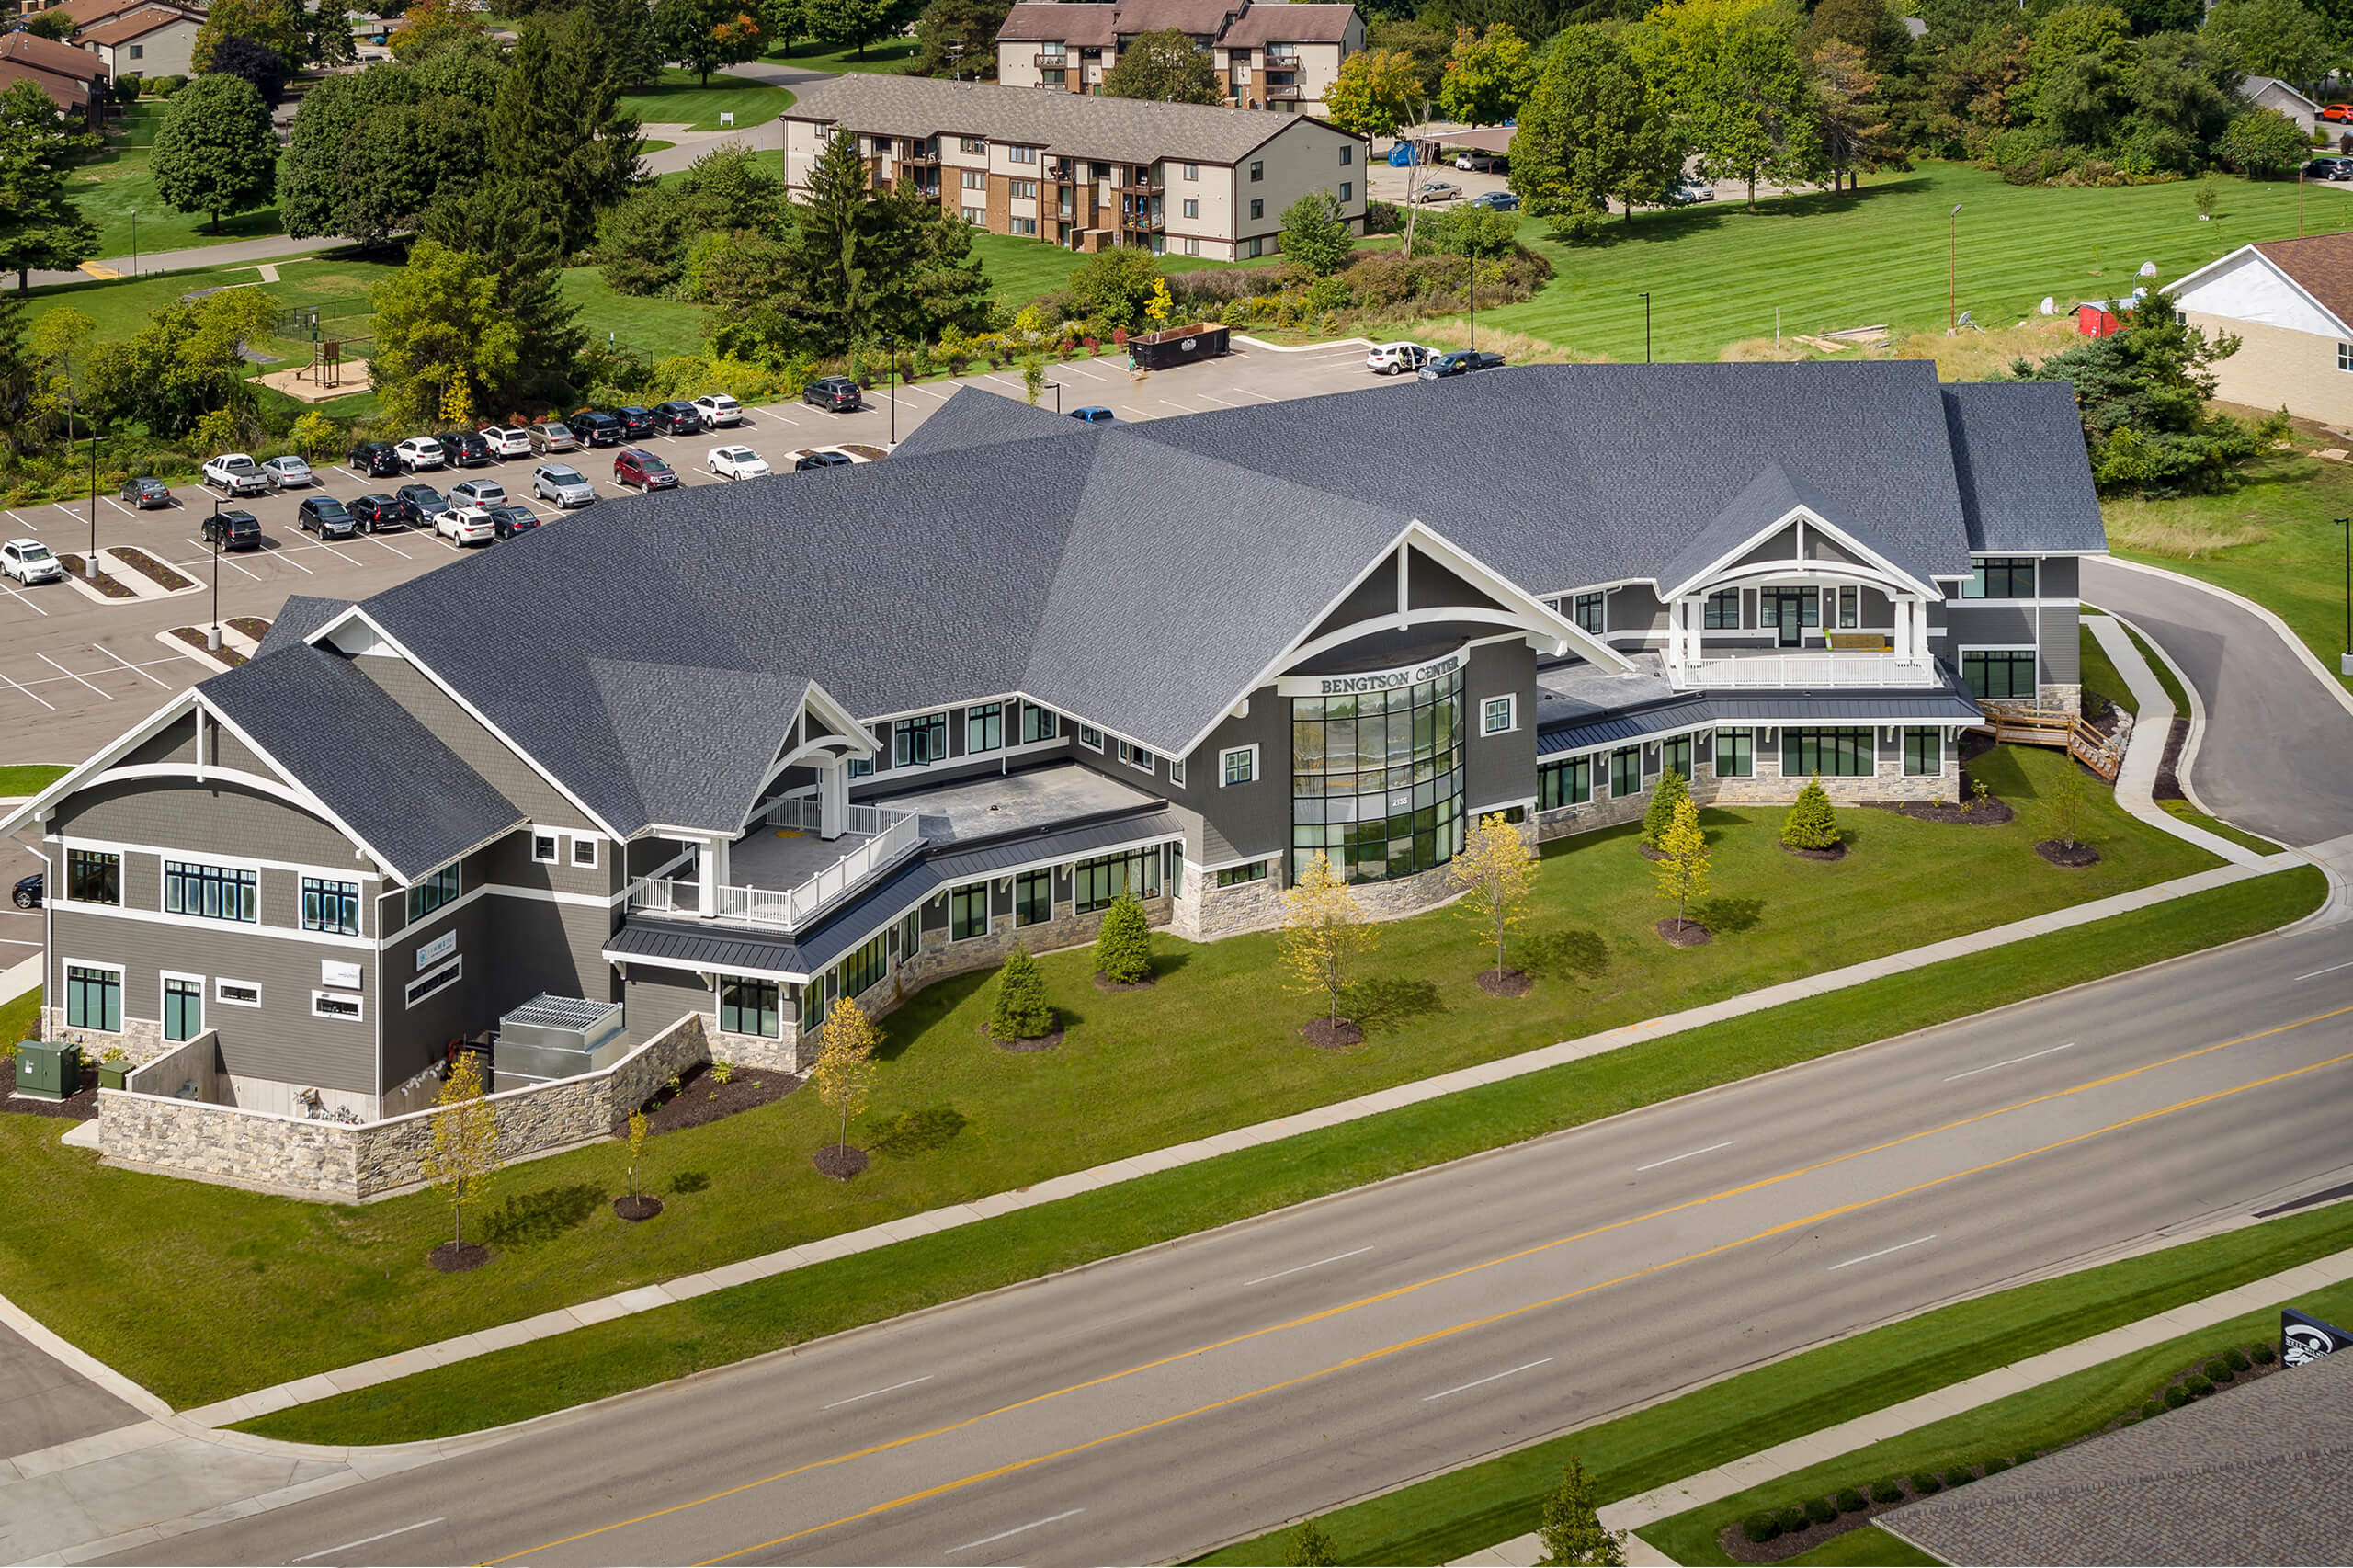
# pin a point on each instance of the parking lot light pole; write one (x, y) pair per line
(90, 562)
(894, 392)
(1647, 327)
(213, 632)
(1058, 395)
(1473, 261)
(2345, 661)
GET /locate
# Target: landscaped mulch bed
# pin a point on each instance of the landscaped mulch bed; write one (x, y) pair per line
(1991, 811)
(1684, 933)
(1047, 1041)
(2169, 785)
(1835, 852)
(701, 1098)
(1105, 983)
(252, 626)
(456, 1257)
(194, 637)
(1324, 1034)
(2074, 856)
(859, 450)
(103, 583)
(640, 1207)
(154, 571)
(1649, 853)
(80, 1105)
(839, 1162)
(1505, 983)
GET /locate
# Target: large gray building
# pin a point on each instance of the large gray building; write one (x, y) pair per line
(741, 751)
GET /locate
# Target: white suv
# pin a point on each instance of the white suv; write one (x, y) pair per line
(420, 453)
(29, 561)
(506, 441)
(465, 525)
(1396, 359)
(236, 474)
(717, 409)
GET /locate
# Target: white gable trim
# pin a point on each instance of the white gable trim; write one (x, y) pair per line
(44, 801)
(2248, 286)
(1805, 517)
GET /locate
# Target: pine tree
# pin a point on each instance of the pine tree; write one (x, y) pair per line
(625, 27)
(1670, 791)
(557, 124)
(1571, 1530)
(1810, 824)
(1123, 947)
(1021, 1011)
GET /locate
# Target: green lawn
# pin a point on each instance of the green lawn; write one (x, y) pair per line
(1459, 1513)
(116, 187)
(29, 778)
(2099, 674)
(656, 326)
(883, 54)
(680, 98)
(1717, 273)
(121, 307)
(20, 1019)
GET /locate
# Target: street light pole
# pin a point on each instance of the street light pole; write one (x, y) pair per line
(2345, 662)
(1647, 327)
(1473, 261)
(90, 562)
(893, 393)
(212, 633)
(1952, 255)
(1058, 395)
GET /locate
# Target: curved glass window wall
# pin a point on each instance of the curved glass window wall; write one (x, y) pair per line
(1377, 779)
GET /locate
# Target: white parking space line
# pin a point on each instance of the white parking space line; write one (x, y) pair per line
(402, 553)
(1881, 1252)
(1301, 1269)
(1179, 407)
(870, 1393)
(27, 522)
(225, 561)
(21, 599)
(1477, 1382)
(360, 477)
(1219, 400)
(2010, 1061)
(942, 396)
(60, 669)
(134, 669)
(18, 686)
(1002, 1535)
(1689, 1154)
(1262, 397)
(282, 549)
(1088, 374)
(993, 376)
(118, 505)
(81, 517)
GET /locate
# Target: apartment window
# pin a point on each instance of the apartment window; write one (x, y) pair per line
(342, 1004)
(968, 912)
(1721, 612)
(861, 767)
(1999, 578)
(1099, 171)
(1025, 189)
(1192, 171)
(1033, 898)
(984, 727)
(910, 935)
(1567, 783)
(183, 1007)
(435, 891)
(138, 52)
(92, 998)
(1924, 753)
(1257, 247)
(1827, 753)
(1054, 76)
(750, 1006)
(1674, 755)
(975, 216)
(2345, 356)
(543, 848)
(1136, 757)
(1999, 672)
(1021, 155)
(1258, 209)
(1038, 724)
(971, 143)
(1258, 173)
(1234, 876)
(975, 179)
(1347, 158)
(434, 982)
(1850, 605)
(330, 906)
(1097, 884)
(1238, 765)
(1498, 714)
(1021, 226)
(1176, 772)
(1736, 754)
(93, 875)
(1192, 208)
(237, 992)
(1347, 190)
(1088, 735)
(1626, 772)
(915, 742)
(864, 968)
(213, 892)
(1192, 247)
(1590, 610)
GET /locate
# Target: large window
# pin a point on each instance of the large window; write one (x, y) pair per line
(1567, 783)
(1736, 754)
(864, 968)
(1591, 611)
(2000, 577)
(1377, 778)
(1675, 755)
(984, 727)
(93, 875)
(1924, 753)
(330, 906)
(1999, 672)
(1625, 772)
(1038, 724)
(183, 1007)
(749, 1006)
(1033, 898)
(968, 912)
(1721, 612)
(440, 888)
(1827, 753)
(914, 742)
(94, 998)
(1099, 882)
(215, 892)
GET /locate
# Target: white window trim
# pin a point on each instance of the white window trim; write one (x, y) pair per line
(1086, 730)
(358, 1014)
(163, 979)
(226, 1000)
(554, 842)
(1129, 751)
(1176, 772)
(434, 981)
(1510, 699)
(122, 990)
(986, 916)
(1228, 754)
(594, 856)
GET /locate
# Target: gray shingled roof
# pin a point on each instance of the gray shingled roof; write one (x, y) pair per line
(1078, 125)
(697, 742)
(2253, 1474)
(303, 614)
(1768, 498)
(2025, 485)
(407, 795)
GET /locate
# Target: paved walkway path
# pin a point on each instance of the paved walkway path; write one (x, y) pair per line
(1815, 1447)
(2145, 753)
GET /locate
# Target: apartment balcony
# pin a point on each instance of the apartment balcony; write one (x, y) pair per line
(790, 876)
(1145, 186)
(1285, 94)
(1054, 61)
(1811, 668)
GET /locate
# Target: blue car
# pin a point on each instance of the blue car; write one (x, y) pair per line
(1498, 200)
(1093, 413)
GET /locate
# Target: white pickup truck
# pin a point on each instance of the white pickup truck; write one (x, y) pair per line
(236, 474)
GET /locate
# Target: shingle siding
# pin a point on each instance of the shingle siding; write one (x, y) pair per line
(190, 819)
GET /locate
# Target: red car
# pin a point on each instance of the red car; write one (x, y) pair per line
(2341, 114)
(632, 465)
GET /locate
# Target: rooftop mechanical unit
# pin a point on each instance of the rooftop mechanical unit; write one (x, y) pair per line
(557, 1036)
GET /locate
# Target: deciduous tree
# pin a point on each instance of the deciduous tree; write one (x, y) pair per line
(1488, 76)
(703, 35)
(1377, 93)
(215, 151)
(56, 24)
(1496, 875)
(637, 1131)
(2286, 38)
(439, 325)
(522, 244)
(1682, 867)
(859, 22)
(182, 364)
(41, 227)
(845, 1067)
(2262, 145)
(1324, 934)
(1852, 126)
(280, 26)
(256, 63)
(1592, 131)
(1571, 1530)
(1310, 1546)
(430, 25)
(464, 1153)
(1731, 72)
(957, 38)
(1166, 66)
(2065, 807)
(1316, 235)
(1021, 1011)
(1116, 285)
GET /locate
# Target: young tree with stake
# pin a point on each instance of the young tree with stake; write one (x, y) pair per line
(464, 1153)
(1323, 934)
(1683, 872)
(845, 1069)
(1571, 1530)
(1496, 874)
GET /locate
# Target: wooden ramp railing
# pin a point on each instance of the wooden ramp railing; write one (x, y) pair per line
(2057, 727)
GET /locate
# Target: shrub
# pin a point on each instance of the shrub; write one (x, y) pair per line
(1996, 1465)
(2175, 1397)
(1760, 1528)
(127, 86)
(2262, 1354)
(1383, 218)
(2236, 1358)
(1926, 1484)
(2150, 1408)
(1820, 1510)
(1887, 1490)
(1960, 1475)
(2199, 1385)
(1812, 823)
(1850, 1500)
(2218, 1371)
(165, 87)
(1669, 792)
(1021, 1011)
(1790, 1518)
(1123, 947)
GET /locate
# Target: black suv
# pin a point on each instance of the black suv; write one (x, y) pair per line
(594, 428)
(836, 394)
(379, 512)
(325, 517)
(420, 504)
(637, 422)
(807, 460)
(465, 448)
(233, 529)
(374, 460)
(505, 522)
(678, 419)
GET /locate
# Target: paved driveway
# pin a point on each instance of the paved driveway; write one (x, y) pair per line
(43, 1402)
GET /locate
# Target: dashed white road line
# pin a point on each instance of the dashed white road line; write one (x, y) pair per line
(365, 1541)
(1881, 1252)
(60, 669)
(1003, 1535)
(2315, 974)
(1303, 1267)
(134, 669)
(1689, 1154)
(1477, 1382)
(2010, 1061)
(871, 1393)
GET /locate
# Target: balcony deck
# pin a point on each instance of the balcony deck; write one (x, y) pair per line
(1014, 802)
(1808, 668)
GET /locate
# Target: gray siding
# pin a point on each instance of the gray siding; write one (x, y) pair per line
(1245, 820)
(2062, 663)
(1500, 768)
(533, 796)
(1980, 625)
(191, 818)
(2059, 577)
(228, 751)
(1635, 607)
(656, 998)
(175, 744)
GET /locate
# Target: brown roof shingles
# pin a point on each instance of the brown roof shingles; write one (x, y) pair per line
(2322, 265)
(1262, 25)
(136, 23)
(47, 54)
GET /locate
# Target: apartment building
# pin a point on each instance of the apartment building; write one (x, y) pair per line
(153, 39)
(1086, 172)
(74, 79)
(1286, 58)
(1269, 55)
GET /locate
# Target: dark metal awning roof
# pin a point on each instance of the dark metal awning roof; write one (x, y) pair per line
(1702, 708)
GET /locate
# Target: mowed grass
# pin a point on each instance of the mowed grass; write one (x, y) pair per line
(119, 184)
(681, 98)
(29, 778)
(887, 54)
(1718, 274)
(1214, 1045)
(808, 1303)
(2099, 674)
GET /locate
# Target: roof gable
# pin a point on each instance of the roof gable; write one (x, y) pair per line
(2302, 285)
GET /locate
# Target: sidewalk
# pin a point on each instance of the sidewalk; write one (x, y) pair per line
(1815, 1447)
(2135, 785)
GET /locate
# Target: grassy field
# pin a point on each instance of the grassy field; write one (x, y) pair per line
(29, 778)
(1459, 1513)
(680, 98)
(826, 1298)
(119, 184)
(1717, 273)
(883, 54)
(2099, 674)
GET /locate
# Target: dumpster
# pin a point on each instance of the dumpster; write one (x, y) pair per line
(1178, 346)
(48, 1069)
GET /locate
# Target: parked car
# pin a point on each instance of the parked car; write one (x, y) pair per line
(836, 394)
(637, 422)
(420, 504)
(718, 410)
(288, 473)
(507, 440)
(1396, 359)
(29, 561)
(477, 493)
(142, 494)
(1093, 413)
(235, 473)
(822, 459)
(378, 513)
(564, 485)
(1437, 190)
(463, 526)
(1481, 163)
(594, 428)
(465, 450)
(510, 519)
(1458, 363)
(735, 462)
(2329, 168)
(2338, 114)
(1686, 194)
(634, 465)
(325, 517)
(678, 419)
(373, 459)
(235, 528)
(552, 436)
(28, 891)
(420, 454)
(1496, 201)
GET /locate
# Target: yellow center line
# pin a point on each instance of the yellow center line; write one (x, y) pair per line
(1396, 1292)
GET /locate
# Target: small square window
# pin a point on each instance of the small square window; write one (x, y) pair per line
(1192, 171)
(1498, 714)
(1347, 156)
(584, 853)
(1091, 737)
(1192, 208)
(1238, 765)
(1176, 772)
(1347, 190)
(543, 848)
(2345, 356)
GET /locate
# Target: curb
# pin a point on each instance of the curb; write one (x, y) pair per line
(2287, 634)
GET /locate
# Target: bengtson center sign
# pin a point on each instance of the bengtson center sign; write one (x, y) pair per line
(1352, 684)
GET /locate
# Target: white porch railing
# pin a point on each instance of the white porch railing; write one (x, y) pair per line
(895, 836)
(1806, 669)
(801, 811)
